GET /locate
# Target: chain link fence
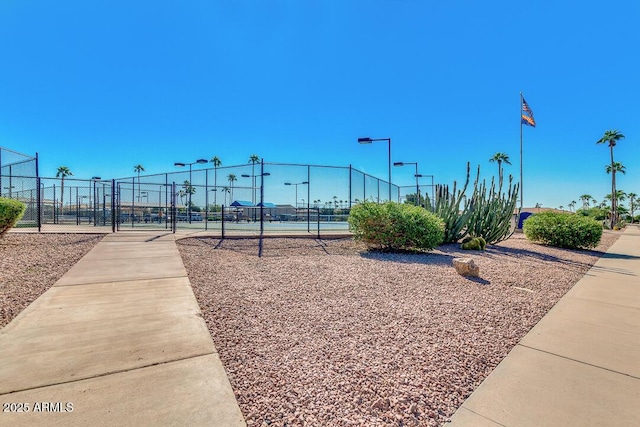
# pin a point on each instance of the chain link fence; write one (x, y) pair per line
(241, 200)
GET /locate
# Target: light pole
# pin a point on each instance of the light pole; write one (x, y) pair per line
(200, 162)
(417, 175)
(296, 184)
(368, 140)
(262, 175)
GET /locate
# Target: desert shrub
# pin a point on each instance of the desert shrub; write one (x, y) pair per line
(474, 243)
(10, 212)
(394, 226)
(564, 230)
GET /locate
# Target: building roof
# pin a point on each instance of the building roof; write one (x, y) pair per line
(242, 203)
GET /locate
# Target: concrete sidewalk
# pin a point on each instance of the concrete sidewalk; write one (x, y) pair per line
(580, 365)
(120, 340)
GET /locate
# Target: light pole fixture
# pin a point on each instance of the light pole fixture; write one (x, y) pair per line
(417, 175)
(367, 140)
(296, 184)
(200, 162)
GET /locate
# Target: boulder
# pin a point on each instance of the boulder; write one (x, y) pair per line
(466, 267)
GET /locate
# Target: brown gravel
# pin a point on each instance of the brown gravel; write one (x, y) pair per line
(324, 333)
(31, 263)
(321, 333)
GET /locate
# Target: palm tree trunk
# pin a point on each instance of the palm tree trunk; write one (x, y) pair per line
(62, 195)
(613, 190)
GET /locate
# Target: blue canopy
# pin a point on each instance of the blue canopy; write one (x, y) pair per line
(242, 203)
(267, 205)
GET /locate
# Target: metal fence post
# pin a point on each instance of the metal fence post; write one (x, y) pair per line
(222, 222)
(113, 205)
(308, 198)
(174, 210)
(39, 204)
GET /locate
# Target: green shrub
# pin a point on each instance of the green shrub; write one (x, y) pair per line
(393, 226)
(564, 230)
(474, 243)
(10, 212)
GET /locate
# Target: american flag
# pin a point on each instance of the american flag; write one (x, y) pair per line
(525, 106)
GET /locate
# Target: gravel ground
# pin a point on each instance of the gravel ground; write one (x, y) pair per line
(31, 263)
(322, 333)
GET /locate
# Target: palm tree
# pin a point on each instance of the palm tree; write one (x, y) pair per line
(253, 159)
(231, 178)
(632, 203)
(226, 190)
(138, 168)
(562, 208)
(188, 190)
(613, 169)
(585, 200)
(62, 173)
(500, 157)
(572, 205)
(612, 137)
(216, 164)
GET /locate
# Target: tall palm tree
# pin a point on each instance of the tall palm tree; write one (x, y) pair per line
(499, 158)
(188, 189)
(138, 168)
(225, 190)
(231, 178)
(572, 205)
(216, 164)
(253, 159)
(585, 198)
(612, 137)
(632, 203)
(62, 173)
(613, 169)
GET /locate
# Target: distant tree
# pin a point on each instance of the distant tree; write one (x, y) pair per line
(499, 158)
(253, 159)
(572, 205)
(612, 137)
(189, 190)
(615, 168)
(226, 190)
(62, 173)
(138, 168)
(585, 198)
(632, 203)
(231, 178)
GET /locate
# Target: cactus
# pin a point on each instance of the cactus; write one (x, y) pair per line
(447, 207)
(494, 210)
(474, 243)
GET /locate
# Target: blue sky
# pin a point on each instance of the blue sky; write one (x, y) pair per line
(101, 86)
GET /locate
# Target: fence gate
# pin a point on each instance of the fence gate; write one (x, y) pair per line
(144, 206)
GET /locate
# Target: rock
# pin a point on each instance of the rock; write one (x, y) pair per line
(382, 404)
(466, 267)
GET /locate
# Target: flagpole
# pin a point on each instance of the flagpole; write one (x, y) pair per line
(521, 186)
